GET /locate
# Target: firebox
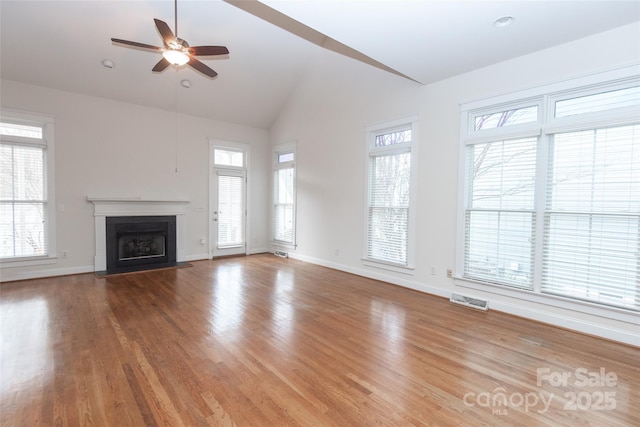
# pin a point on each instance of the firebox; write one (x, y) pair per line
(140, 243)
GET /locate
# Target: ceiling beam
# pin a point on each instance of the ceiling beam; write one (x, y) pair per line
(299, 29)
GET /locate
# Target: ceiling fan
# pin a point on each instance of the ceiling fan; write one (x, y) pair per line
(177, 51)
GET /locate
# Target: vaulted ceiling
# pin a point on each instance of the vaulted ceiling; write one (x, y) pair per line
(62, 44)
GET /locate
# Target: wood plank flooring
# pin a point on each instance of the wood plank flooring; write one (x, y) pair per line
(266, 341)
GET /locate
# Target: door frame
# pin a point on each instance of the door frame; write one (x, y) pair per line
(212, 190)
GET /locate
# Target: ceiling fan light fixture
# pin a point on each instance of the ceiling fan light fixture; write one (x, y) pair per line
(176, 57)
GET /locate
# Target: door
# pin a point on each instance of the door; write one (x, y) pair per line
(228, 202)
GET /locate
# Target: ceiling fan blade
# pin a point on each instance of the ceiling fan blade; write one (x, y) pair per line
(165, 31)
(161, 65)
(199, 66)
(135, 44)
(208, 50)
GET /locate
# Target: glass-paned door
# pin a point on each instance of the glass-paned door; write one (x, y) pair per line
(228, 198)
(230, 213)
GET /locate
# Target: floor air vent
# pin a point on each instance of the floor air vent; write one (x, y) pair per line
(470, 302)
(281, 254)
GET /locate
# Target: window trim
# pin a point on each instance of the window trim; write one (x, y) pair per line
(411, 147)
(277, 165)
(548, 95)
(48, 144)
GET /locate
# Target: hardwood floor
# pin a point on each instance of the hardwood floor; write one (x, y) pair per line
(266, 341)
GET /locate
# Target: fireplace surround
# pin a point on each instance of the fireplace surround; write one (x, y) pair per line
(131, 210)
(140, 242)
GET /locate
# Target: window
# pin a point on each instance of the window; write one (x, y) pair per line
(555, 208)
(592, 218)
(390, 187)
(26, 183)
(600, 101)
(500, 218)
(222, 157)
(500, 119)
(284, 207)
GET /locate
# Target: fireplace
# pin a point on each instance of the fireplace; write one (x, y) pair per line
(140, 243)
(135, 208)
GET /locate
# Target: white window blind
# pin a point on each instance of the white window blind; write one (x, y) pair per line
(23, 195)
(389, 190)
(284, 204)
(500, 215)
(592, 227)
(231, 211)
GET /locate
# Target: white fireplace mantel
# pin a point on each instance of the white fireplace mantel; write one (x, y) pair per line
(135, 206)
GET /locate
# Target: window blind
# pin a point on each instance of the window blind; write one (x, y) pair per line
(388, 209)
(592, 226)
(284, 205)
(23, 204)
(230, 211)
(500, 218)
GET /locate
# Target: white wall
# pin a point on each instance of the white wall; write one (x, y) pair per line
(327, 116)
(112, 149)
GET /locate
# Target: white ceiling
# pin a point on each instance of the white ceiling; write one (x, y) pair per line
(61, 44)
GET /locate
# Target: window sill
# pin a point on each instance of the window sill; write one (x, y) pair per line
(398, 268)
(283, 245)
(27, 261)
(609, 312)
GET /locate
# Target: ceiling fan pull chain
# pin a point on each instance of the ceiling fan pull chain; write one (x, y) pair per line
(175, 14)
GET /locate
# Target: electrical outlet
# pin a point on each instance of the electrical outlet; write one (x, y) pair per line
(65, 254)
(450, 273)
(202, 241)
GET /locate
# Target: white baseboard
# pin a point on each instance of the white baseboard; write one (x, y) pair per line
(411, 284)
(196, 257)
(567, 322)
(204, 256)
(579, 325)
(8, 276)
